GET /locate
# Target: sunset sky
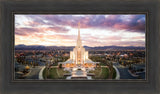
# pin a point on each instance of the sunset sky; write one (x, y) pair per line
(96, 30)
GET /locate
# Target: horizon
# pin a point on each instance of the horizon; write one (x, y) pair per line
(83, 46)
(95, 30)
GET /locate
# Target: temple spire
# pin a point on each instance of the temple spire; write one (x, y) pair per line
(79, 38)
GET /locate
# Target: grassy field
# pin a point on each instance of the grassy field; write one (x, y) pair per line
(97, 72)
(58, 73)
(114, 74)
(51, 74)
(61, 73)
(44, 73)
(104, 73)
(54, 73)
(101, 73)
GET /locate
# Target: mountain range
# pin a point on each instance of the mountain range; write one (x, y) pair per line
(40, 47)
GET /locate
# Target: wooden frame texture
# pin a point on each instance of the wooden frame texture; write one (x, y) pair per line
(149, 7)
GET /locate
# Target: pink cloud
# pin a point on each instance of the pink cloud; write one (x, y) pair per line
(58, 23)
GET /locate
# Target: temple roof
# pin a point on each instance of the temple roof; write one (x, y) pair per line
(66, 62)
(90, 61)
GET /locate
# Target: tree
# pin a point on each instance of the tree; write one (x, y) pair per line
(60, 65)
(111, 70)
(98, 65)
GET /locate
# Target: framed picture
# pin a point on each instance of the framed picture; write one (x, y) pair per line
(79, 47)
(48, 47)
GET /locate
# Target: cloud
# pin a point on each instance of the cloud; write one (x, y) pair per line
(61, 37)
(61, 27)
(28, 30)
(133, 23)
(58, 29)
(25, 31)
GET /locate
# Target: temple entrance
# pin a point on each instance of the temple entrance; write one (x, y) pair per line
(79, 62)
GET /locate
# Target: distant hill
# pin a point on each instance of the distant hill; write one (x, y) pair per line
(40, 47)
(32, 47)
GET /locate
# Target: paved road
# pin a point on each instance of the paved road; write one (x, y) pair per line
(124, 74)
(34, 73)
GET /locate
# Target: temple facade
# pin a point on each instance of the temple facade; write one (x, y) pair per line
(79, 56)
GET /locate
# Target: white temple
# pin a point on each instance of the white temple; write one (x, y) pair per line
(79, 56)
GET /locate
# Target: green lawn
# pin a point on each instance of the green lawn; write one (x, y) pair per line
(114, 74)
(44, 73)
(61, 72)
(51, 74)
(104, 73)
(57, 73)
(97, 72)
(54, 73)
(101, 73)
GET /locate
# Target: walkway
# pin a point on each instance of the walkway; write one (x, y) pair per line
(117, 73)
(41, 73)
(79, 72)
(34, 73)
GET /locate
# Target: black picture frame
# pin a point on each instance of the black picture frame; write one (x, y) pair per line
(8, 8)
(93, 80)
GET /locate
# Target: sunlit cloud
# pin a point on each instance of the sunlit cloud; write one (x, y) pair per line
(96, 30)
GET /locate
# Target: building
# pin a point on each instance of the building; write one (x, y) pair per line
(79, 56)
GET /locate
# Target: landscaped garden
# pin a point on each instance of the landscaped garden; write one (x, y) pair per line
(103, 73)
(54, 73)
(99, 73)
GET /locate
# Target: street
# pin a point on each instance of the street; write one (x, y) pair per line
(34, 73)
(124, 74)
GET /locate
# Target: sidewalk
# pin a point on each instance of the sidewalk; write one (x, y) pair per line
(41, 73)
(117, 73)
